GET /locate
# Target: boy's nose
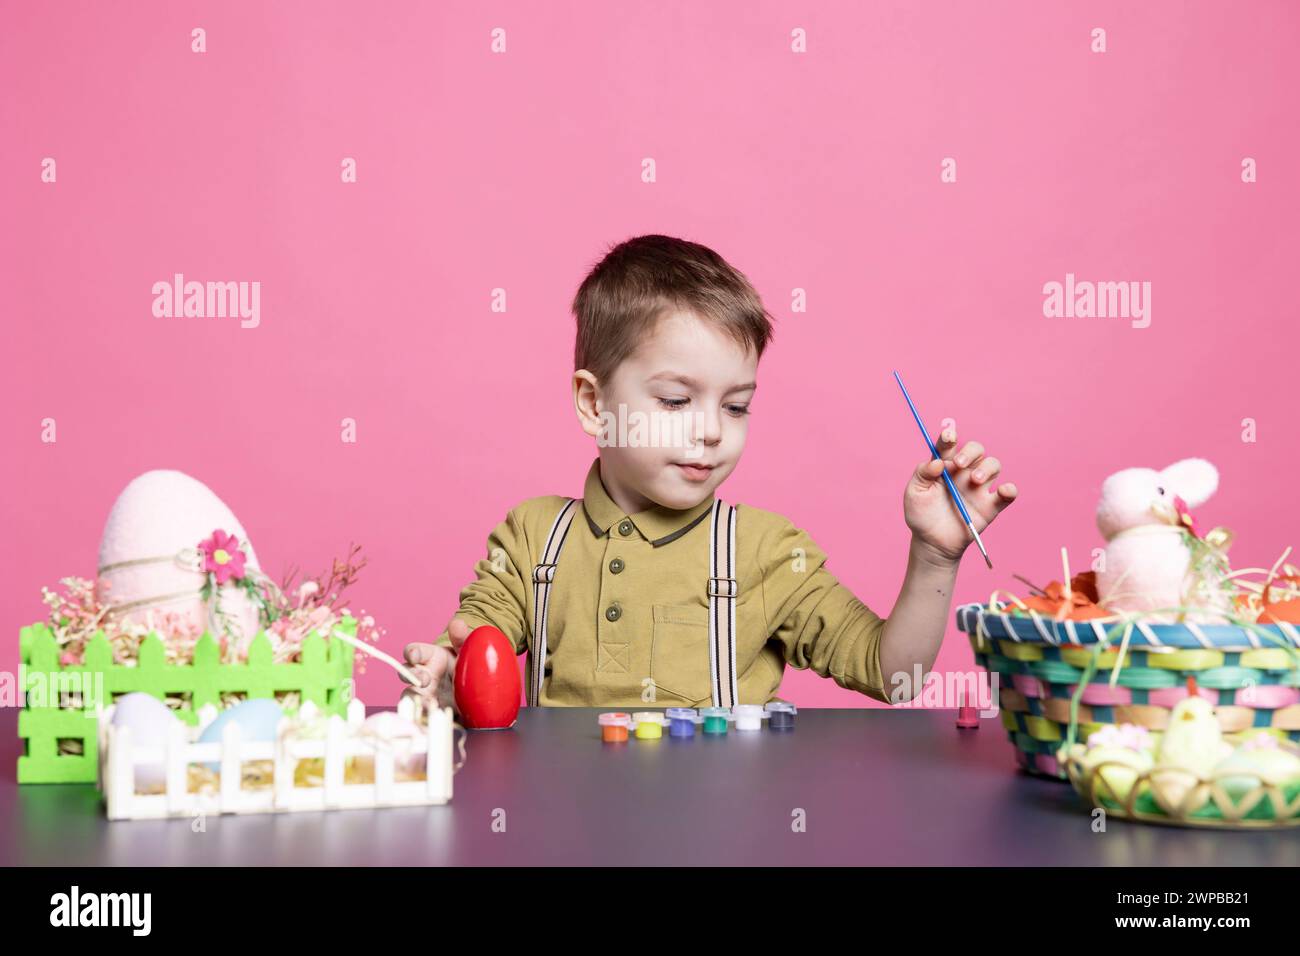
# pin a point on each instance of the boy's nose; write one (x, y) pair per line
(708, 428)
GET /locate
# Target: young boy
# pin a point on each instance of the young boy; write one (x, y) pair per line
(658, 592)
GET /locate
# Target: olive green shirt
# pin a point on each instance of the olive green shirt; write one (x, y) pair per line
(628, 623)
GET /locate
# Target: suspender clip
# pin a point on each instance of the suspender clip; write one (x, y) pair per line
(723, 587)
(544, 574)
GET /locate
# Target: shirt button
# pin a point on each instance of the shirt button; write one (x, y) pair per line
(616, 566)
(613, 612)
(625, 527)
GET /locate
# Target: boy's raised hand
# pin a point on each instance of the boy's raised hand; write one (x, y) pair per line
(928, 509)
(435, 665)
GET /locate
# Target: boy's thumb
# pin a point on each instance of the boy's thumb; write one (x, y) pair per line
(459, 632)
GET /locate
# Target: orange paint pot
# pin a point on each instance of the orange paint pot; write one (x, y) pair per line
(614, 727)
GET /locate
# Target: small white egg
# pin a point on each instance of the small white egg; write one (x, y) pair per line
(149, 721)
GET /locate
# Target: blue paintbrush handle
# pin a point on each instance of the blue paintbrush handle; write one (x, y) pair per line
(952, 490)
(934, 452)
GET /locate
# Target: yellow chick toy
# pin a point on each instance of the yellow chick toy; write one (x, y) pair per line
(1192, 742)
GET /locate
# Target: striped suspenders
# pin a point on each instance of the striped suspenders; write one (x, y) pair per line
(722, 590)
(722, 605)
(543, 576)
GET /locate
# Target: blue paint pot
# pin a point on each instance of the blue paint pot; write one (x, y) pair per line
(681, 721)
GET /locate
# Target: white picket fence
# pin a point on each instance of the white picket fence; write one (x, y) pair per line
(119, 759)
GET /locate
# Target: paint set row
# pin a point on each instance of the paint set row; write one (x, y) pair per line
(617, 727)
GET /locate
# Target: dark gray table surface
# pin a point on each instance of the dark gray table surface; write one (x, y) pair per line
(897, 787)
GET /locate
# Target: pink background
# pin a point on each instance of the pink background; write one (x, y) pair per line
(818, 171)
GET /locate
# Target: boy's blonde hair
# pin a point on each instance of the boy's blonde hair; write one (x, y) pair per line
(641, 280)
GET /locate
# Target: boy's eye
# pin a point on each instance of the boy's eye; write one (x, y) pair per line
(676, 404)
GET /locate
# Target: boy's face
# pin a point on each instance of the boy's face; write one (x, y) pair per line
(687, 388)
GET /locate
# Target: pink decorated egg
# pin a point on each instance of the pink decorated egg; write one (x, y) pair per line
(150, 559)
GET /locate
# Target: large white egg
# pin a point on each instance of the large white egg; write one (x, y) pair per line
(156, 519)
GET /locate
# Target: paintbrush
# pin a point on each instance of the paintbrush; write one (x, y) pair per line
(947, 480)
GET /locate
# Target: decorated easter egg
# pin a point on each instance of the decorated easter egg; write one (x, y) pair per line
(487, 680)
(1246, 769)
(149, 721)
(389, 725)
(390, 730)
(1117, 768)
(309, 723)
(257, 720)
(151, 555)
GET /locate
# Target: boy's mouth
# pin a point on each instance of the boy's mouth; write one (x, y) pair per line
(694, 471)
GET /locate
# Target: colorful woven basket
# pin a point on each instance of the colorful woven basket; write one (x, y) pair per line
(1040, 662)
(1228, 799)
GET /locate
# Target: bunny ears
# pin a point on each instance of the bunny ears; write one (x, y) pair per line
(1192, 479)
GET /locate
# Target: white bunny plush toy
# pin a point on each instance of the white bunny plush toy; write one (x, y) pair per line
(1144, 517)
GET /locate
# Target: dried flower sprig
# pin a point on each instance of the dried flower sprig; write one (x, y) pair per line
(318, 604)
(329, 588)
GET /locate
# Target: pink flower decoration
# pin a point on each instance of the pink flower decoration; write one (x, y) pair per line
(1185, 516)
(222, 557)
(1131, 736)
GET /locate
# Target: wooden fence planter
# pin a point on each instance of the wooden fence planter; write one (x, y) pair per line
(431, 753)
(323, 676)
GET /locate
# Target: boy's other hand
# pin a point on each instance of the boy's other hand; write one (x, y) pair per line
(935, 522)
(435, 665)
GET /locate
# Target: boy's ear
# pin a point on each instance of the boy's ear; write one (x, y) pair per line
(586, 402)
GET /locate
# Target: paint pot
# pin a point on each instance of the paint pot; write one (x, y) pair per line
(681, 721)
(715, 719)
(614, 727)
(748, 716)
(780, 715)
(649, 724)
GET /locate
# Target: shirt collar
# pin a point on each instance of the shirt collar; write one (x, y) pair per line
(658, 524)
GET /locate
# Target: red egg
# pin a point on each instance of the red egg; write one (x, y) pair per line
(487, 680)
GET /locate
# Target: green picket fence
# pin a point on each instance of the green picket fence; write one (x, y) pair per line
(323, 676)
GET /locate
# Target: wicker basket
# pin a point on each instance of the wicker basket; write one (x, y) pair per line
(1235, 800)
(1040, 662)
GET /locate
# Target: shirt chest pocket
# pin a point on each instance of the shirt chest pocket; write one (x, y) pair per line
(679, 653)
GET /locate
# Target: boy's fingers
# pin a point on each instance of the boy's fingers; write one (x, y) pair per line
(932, 470)
(418, 653)
(992, 502)
(439, 664)
(985, 469)
(969, 454)
(424, 675)
(946, 441)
